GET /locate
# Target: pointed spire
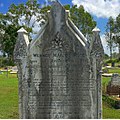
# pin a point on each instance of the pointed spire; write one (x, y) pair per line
(96, 29)
(22, 30)
(52, 1)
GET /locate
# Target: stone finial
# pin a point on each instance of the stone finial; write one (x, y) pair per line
(20, 50)
(52, 0)
(67, 13)
(96, 29)
(22, 30)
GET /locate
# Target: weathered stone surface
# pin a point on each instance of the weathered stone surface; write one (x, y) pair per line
(113, 87)
(20, 56)
(59, 75)
(115, 80)
(96, 56)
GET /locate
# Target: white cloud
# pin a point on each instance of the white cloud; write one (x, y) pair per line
(33, 23)
(46, 1)
(104, 43)
(1, 4)
(100, 8)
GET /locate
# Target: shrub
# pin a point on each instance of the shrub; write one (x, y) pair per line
(110, 101)
(5, 62)
(112, 61)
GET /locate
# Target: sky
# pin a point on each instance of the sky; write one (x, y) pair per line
(101, 10)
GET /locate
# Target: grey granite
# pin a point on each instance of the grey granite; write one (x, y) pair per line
(59, 76)
(115, 80)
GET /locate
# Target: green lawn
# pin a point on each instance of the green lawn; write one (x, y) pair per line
(8, 96)
(114, 70)
(110, 113)
(105, 81)
(107, 111)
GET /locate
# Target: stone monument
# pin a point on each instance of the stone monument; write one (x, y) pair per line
(113, 87)
(59, 73)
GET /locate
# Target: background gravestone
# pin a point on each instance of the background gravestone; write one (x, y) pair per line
(56, 75)
(113, 87)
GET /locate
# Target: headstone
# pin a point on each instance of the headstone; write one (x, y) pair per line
(115, 80)
(113, 87)
(96, 57)
(20, 56)
(58, 79)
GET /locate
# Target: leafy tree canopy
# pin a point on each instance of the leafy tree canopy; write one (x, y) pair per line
(31, 16)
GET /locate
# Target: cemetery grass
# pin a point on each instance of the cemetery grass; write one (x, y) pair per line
(107, 110)
(8, 96)
(114, 70)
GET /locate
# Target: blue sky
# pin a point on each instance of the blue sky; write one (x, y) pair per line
(101, 10)
(4, 6)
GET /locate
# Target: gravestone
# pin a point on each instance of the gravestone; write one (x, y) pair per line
(59, 73)
(115, 80)
(113, 87)
(20, 53)
(96, 56)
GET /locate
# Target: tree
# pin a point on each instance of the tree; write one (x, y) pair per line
(110, 29)
(8, 37)
(106, 56)
(82, 19)
(9, 40)
(27, 15)
(31, 16)
(117, 32)
(115, 55)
